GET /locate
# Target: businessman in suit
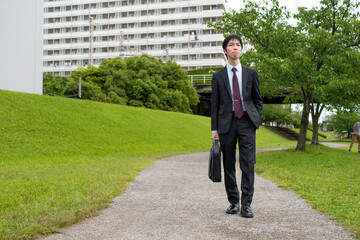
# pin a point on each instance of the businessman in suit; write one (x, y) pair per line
(236, 111)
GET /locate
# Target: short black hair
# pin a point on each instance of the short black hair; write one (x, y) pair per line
(228, 38)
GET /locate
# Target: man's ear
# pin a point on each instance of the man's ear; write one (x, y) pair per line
(224, 50)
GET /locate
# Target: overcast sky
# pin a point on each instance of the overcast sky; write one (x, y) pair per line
(291, 5)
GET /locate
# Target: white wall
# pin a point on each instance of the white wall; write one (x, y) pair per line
(21, 45)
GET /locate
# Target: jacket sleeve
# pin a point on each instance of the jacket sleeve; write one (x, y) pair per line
(256, 95)
(214, 103)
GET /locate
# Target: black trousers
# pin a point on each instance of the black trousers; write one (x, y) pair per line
(242, 131)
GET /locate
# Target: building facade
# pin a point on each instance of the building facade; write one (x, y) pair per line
(85, 32)
(21, 46)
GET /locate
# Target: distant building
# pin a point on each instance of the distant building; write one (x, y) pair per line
(82, 33)
(21, 42)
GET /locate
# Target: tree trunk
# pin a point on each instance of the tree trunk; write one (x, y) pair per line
(315, 114)
(301, 144)
(315, 136)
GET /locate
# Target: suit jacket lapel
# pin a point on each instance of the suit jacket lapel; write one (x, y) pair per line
(225, 78)
(244, 79)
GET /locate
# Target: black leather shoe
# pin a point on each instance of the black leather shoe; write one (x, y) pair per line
(233, 209)
(246, 212)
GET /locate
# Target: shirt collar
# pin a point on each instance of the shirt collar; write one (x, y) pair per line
(229, 67)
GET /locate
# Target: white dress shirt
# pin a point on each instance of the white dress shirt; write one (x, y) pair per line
(239, 77)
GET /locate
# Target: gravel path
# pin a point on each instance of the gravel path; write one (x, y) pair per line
(174, 199)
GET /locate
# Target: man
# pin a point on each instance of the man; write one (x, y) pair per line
(356, 136)
(236, 111)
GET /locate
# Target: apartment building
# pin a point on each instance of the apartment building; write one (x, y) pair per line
(85, 32)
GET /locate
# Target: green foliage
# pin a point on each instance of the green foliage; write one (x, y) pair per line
(318, 60)
(328, 178)
(344, 121)
(280, 115)
(54, 85)
(137, 81)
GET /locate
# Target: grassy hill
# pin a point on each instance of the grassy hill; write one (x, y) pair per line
(62, 160)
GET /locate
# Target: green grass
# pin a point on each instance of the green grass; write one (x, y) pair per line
(310, 133)
(328, 178)
(267, 139)
(62, 160)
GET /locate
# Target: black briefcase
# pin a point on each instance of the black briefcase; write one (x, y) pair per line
(215, 162)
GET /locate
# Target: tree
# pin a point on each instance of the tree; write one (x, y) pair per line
(316, 61)
(137, 81)
(344, 121)
(276, 113)
(54, 85)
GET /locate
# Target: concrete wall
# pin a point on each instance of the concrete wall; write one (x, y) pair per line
(21, 45)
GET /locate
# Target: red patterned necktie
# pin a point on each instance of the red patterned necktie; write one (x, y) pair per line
(238, 107)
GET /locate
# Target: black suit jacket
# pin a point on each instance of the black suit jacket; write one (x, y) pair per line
(221, 100)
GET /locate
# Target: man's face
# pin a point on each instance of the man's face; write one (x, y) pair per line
(233, 49)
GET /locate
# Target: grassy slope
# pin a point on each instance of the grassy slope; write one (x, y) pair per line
(310, 133)
(328, 178)
(63, 159)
